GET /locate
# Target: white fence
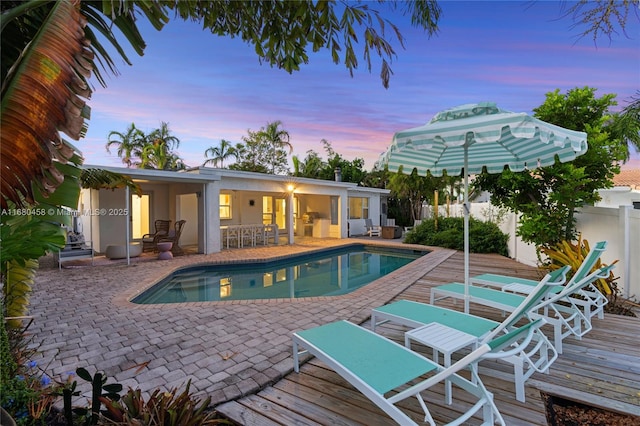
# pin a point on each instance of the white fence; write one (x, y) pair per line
(619, 226)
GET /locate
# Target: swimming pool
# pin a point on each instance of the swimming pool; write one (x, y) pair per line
(327, 273)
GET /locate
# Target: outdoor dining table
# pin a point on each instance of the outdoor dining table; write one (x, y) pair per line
(248, 235)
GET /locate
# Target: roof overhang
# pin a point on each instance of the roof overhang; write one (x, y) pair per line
(152, 175)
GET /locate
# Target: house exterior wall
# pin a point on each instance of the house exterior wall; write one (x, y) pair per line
(615, 197)
(195, 197)
(358, 226)
(111, 227)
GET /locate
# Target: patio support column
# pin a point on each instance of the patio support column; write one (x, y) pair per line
(290, 216)
(211, 218)
(127, 206)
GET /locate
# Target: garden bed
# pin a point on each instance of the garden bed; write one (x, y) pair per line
(565, 412)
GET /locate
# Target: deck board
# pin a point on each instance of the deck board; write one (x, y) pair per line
(603, 368)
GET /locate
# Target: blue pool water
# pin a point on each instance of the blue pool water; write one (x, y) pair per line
(328, 273)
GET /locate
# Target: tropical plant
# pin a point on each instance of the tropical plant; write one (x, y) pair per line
(547, 198)
(350, 171)
(416, 189)
(313, 166)
(220, 153)
(25, 389)
(26, 235)
(50, 83)
(48, 55)
(484, 237)
(163, 136)
(109, 406)
(148, 151)
(130, 144)
(96, 178)
(260, 154)
(626, 125)
(570, 253)
(158, 156)
(168, 408)
(278, 139)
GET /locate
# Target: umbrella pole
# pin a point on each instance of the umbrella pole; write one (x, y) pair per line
(466, 229)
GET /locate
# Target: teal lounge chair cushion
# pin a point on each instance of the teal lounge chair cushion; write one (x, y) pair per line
(425, 314)
(498, 297)
(367, 355)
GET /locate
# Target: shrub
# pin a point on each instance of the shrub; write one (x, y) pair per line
(484, 237)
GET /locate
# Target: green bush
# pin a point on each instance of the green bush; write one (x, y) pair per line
(484, 237)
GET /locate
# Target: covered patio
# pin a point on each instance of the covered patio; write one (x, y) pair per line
(214, 201)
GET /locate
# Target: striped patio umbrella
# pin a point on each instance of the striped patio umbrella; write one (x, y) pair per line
(475, 137)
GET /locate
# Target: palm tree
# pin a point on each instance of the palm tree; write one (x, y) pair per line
(219, 153)
(163, 136)
(626, 125)
(278, 139)
(130, 143)
(158, 156)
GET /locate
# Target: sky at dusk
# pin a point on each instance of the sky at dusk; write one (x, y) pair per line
(210, 88)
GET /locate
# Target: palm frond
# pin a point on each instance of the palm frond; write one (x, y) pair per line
(42, 95)
(95, 178)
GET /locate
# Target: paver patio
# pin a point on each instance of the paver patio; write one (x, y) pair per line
(82, 318)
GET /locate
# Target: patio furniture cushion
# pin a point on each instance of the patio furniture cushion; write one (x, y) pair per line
(149, 241)
(174, 237)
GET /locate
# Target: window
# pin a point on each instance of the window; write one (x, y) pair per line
(335, 214)
(358, 208)
(225, 206)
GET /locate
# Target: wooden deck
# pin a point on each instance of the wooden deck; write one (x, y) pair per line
(602, 369)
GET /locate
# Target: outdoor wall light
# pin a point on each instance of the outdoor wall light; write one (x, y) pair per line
(290, 188)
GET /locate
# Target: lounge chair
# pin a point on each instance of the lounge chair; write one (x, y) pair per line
(416, 222)
(560, 309)
(589, 298)
(382, 369)
(533, 359)
(150, 241)
(372, 230)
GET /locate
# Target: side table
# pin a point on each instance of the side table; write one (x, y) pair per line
(164, 249)
(441, 339)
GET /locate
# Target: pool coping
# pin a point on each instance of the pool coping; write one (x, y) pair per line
(141, 288)
(161, 273)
